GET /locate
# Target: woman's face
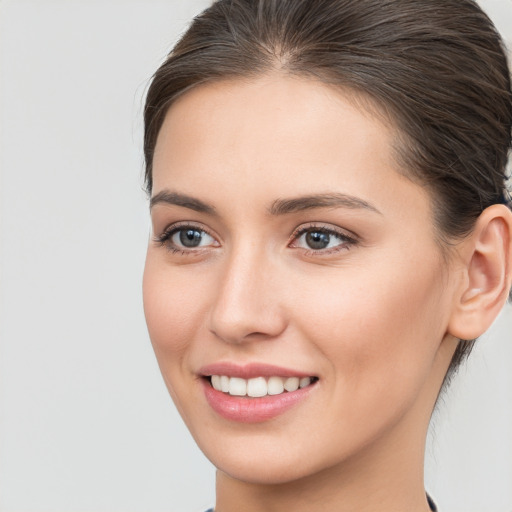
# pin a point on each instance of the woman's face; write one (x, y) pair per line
(286, 245)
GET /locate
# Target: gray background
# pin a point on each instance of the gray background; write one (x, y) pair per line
(85, 420)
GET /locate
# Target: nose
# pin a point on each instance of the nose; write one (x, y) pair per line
(247, 306)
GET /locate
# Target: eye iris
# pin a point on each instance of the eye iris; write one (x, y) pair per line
(317, 239)
(190, 237)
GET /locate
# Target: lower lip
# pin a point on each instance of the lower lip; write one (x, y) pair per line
(252, 410)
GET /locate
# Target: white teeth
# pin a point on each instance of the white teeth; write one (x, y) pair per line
(305, 381)
(224, 384)
(237, 386)
(216, 382)
(275, 386)
(291, 384)
(258, 386)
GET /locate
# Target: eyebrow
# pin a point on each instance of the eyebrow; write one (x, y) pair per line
(310, 202)
(278, 207)
(177, 199)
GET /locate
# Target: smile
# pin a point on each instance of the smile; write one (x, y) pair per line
(258, 387)
(254, 392)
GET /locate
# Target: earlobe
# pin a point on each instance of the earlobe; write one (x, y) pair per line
(487, 259)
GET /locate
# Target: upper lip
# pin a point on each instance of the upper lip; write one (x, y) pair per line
(249, 371)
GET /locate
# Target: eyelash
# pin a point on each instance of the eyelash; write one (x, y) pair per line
(165, 239)
(346, 241)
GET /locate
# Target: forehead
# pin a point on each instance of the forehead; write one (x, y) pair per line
(280, 136)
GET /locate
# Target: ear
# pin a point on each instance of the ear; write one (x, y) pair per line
(487, 274)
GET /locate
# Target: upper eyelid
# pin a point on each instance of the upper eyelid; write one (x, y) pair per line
(176, 226)
(328, 228)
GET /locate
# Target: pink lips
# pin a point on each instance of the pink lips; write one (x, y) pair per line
(247, 409)
(249, 371)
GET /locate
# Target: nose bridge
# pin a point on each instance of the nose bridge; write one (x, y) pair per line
(246, 305)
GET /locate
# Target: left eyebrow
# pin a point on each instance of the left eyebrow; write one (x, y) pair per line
(310, 202)
(177, 199)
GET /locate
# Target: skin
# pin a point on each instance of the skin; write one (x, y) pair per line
(370, 318)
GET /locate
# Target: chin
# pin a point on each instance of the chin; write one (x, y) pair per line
(263, 471)
(270, 458)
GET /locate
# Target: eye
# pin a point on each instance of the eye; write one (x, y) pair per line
(186, 238)
(191, 238)
(321, 239)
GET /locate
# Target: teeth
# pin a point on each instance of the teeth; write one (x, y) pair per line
(305, 381)
(216, 382)
(237, 386)
(291, 384)
(224, 384)
(275, 386)
(258, 386)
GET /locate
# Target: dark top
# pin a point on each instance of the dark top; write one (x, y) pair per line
(431, 504)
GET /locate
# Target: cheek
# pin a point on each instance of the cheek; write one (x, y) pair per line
(377, 326)
(171, 307)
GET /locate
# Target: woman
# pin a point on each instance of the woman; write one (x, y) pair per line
(330, 233)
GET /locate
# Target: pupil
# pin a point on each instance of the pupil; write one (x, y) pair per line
(190, 237)
(317, 239)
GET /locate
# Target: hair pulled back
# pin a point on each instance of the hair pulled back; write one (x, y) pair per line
(436, 68)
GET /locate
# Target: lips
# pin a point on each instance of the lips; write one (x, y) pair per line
(249, 371)
(253, 393)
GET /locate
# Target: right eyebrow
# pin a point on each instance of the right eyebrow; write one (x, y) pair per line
(177, 199)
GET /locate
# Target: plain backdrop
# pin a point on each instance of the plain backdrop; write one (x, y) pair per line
(85, 420)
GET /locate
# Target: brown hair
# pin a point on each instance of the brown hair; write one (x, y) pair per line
(437, 68)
